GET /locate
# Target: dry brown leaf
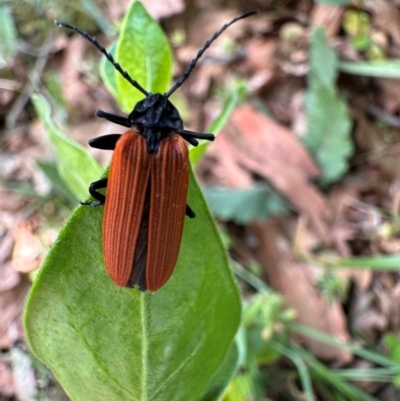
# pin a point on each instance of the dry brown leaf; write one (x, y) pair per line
(294, 280)
(370, 323)
(75, 91)
(163, 9)
(203, 77)
(365, 318)
(263, 147)
(209, 21)
(327, 16)
(379, 151)
(261, 54)
(6, 244)
(9, 278)
(11, 307)
(386, 16)
(389, 94)
(223, 171)
(6, 380)
(389, 245)
(27, 248)
(261, 59)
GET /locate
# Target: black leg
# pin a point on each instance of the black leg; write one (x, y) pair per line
(106, 142)
(114, 118)
(191, 134)
(94, 186)
(192, 141)
(189, 212)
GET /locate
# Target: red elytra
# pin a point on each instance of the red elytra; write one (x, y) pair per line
(147, 186)
(150, 216)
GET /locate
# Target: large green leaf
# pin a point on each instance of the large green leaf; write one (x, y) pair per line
(109, 343)
(75, 165)
(222, 376)
(144, 51)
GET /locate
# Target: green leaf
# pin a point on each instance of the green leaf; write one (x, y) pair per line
(323, 60)
(328, 132)
(393, 346)
(109, 343)
(383, 69)
(8, 35)
(75, 165)
(240, 388)
(143, 50)
(244, 205)
(376, 263)
(328, 124)
(221, 378)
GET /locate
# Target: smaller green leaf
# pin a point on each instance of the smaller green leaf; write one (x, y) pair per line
(75, 165)
(240, 388)
(8, 35)
(357, 24)
(328, 132)
(143, 50)
(244, 205)
(328, 123)
(323, 60)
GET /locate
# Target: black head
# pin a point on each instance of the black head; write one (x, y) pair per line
(156, 117)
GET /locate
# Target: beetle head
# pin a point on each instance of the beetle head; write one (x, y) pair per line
(156, 117)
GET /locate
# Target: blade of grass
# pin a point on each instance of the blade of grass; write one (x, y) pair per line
(368, 355)
(353, 393)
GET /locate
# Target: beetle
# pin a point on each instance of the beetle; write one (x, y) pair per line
(147, 185)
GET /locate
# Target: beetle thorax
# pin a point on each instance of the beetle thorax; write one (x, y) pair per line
(156, 117)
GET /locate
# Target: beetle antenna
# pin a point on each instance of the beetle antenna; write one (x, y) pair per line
(109, 56)
(189, 69)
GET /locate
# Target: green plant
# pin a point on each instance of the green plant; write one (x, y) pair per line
(104, 342)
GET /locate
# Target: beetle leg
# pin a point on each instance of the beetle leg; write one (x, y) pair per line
(114, 118)
(106, 142)
(94, 186)
(189, 212)
(191, 136)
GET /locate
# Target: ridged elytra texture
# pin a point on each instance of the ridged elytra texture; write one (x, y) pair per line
(141, 185)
